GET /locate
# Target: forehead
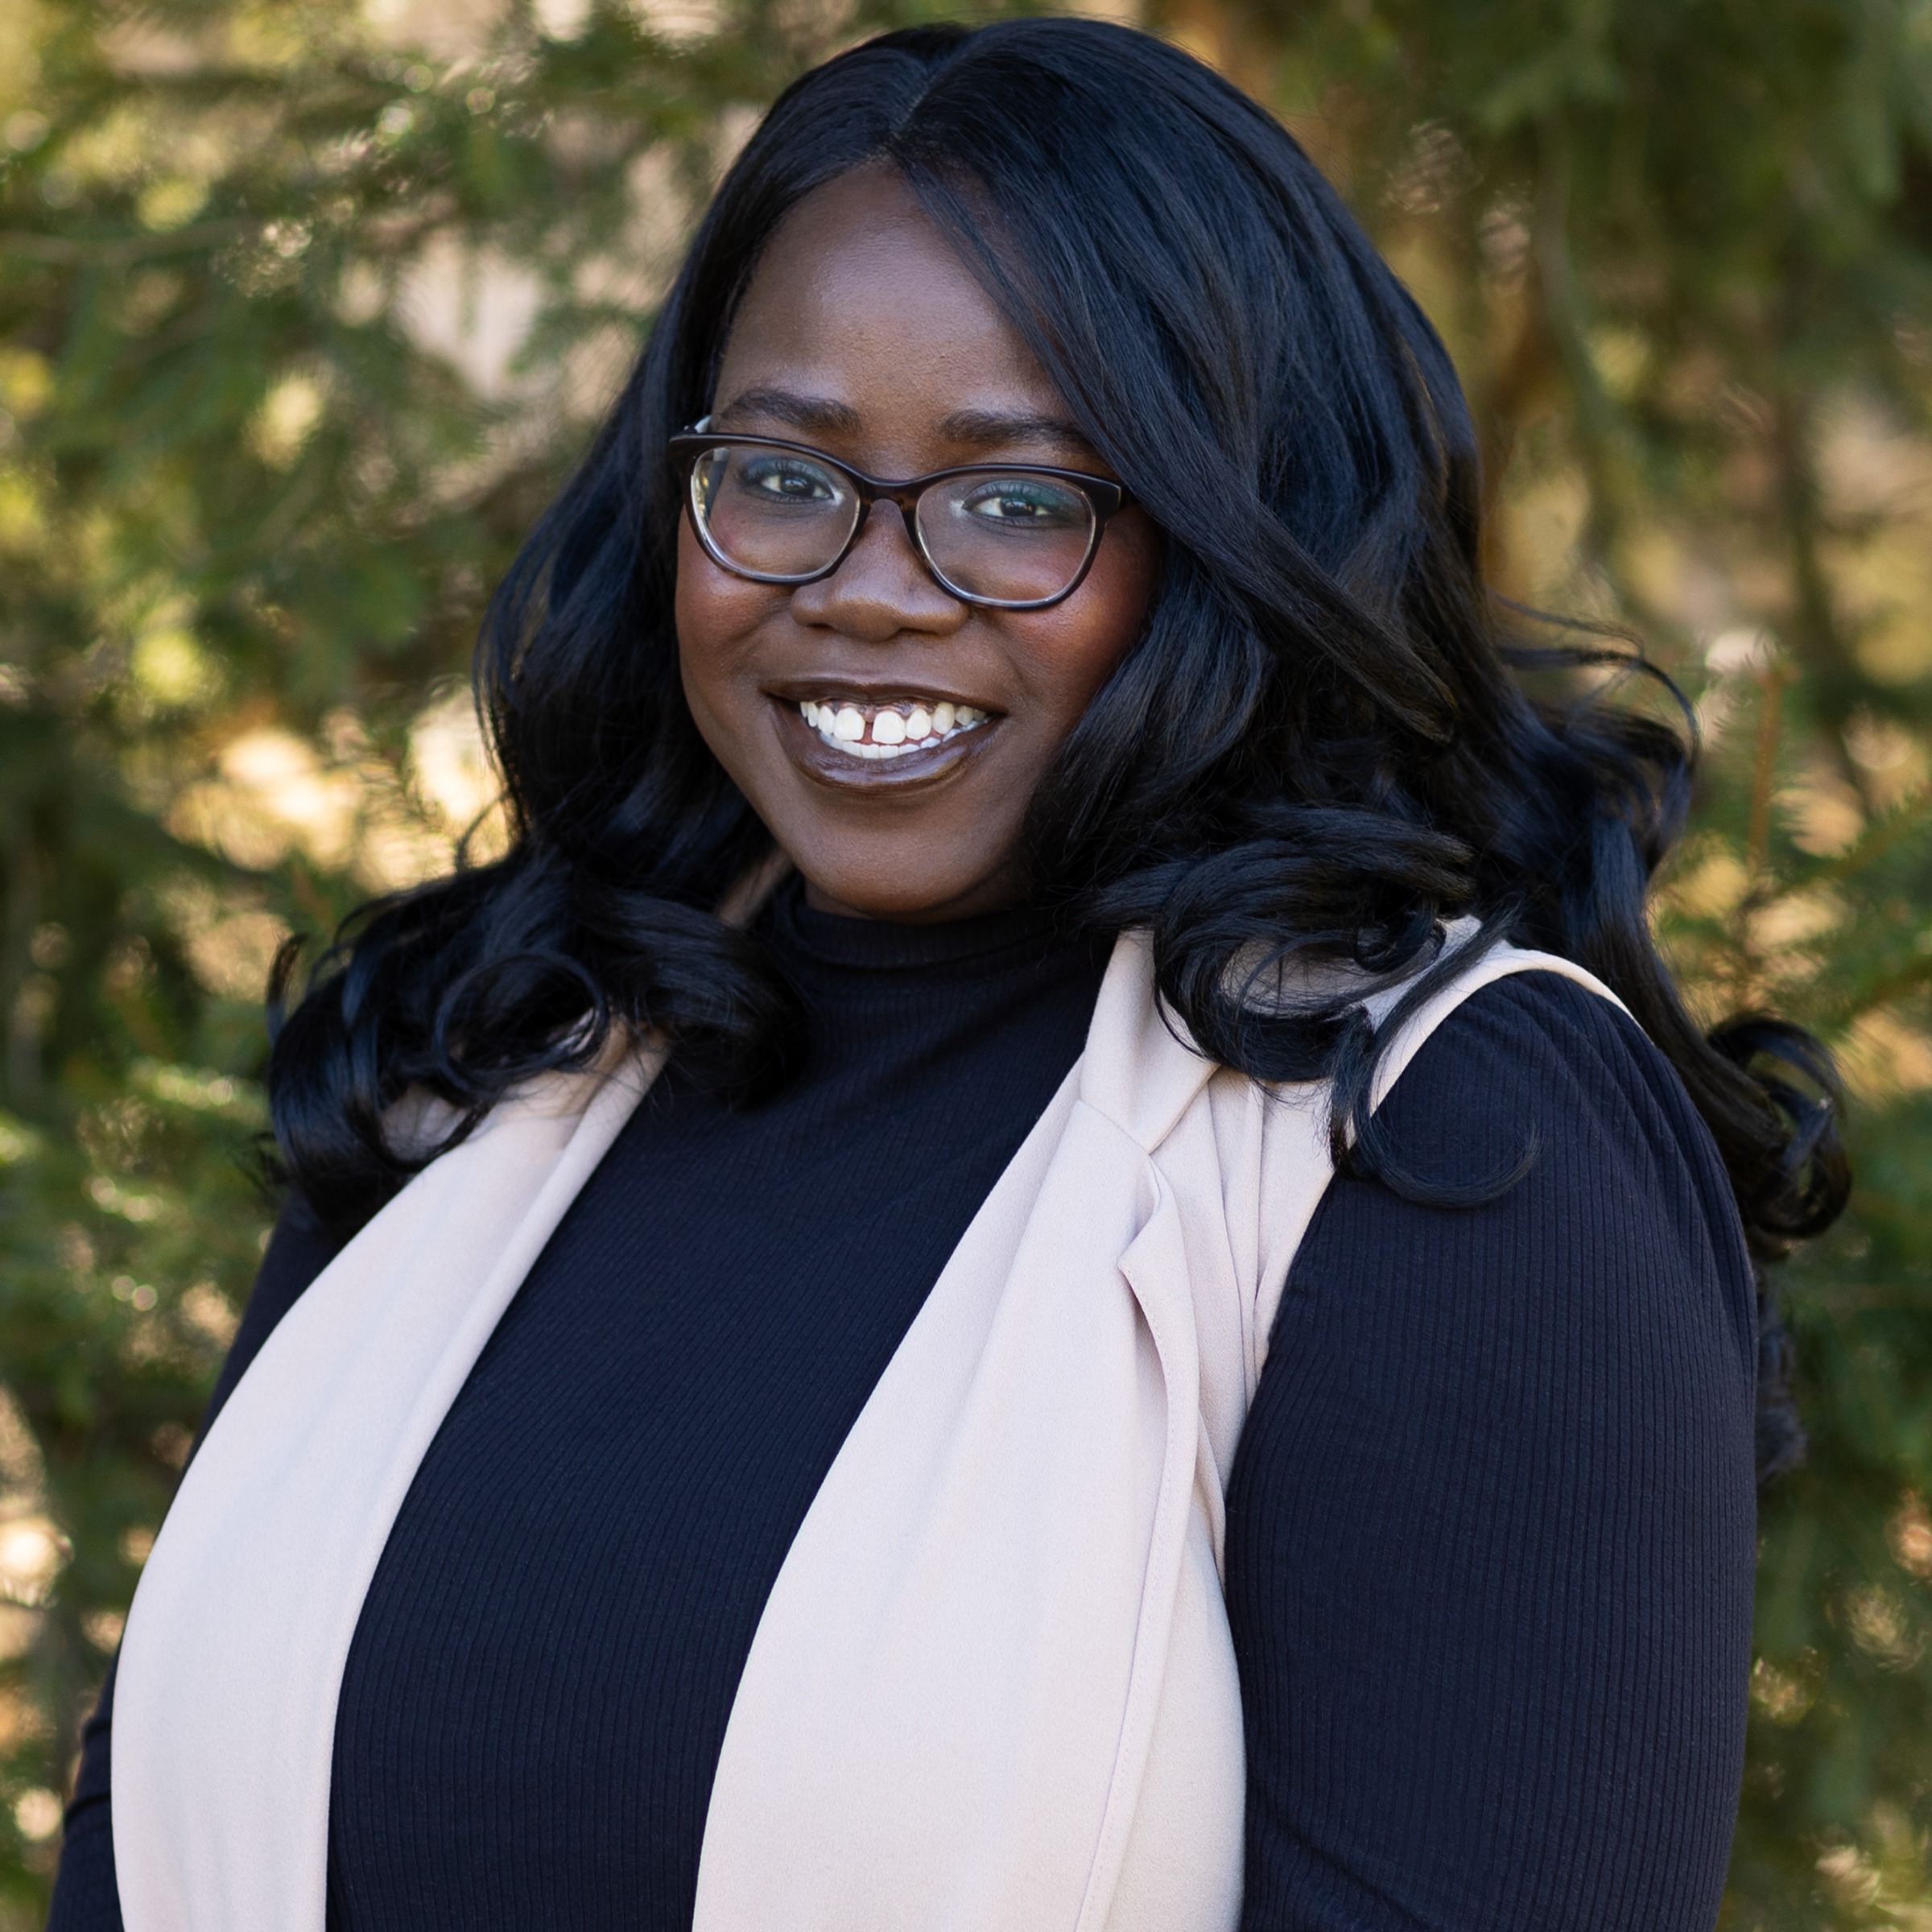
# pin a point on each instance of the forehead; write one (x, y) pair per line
(860, 299)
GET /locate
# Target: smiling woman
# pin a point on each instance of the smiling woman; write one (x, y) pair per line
(816, 630)
(1050, 1251)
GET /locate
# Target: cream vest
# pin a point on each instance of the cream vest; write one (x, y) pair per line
(993, 1690)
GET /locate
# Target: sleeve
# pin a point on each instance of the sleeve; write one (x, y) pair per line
(1492, 1524)
(85, 1896)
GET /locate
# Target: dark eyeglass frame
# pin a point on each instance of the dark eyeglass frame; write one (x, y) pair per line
(1107, 498)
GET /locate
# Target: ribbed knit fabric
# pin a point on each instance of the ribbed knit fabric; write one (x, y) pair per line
(1490, 1534)
(1491, 1525)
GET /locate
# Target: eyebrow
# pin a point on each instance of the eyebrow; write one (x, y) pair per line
(987, 429)
(816, 415)
(978, 429)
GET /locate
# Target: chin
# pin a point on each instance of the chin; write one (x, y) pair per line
(904, 891)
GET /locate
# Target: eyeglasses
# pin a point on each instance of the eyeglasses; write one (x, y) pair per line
(1017, 538)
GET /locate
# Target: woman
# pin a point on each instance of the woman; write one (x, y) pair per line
(1051, 1251)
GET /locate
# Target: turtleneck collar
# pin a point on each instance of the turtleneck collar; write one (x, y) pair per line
(993, 940)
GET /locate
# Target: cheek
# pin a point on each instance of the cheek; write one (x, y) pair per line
(1077, 644)
(716, 615)
(702, 604)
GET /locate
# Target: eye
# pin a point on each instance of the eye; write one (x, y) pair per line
(1026, 503)
(784, 479)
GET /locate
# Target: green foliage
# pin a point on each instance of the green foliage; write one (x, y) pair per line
(304, 309)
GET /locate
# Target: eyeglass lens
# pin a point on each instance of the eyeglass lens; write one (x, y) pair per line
(1016, 537)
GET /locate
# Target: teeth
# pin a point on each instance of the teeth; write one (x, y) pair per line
(886, 731)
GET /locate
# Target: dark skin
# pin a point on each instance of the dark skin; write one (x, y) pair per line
(863, 334)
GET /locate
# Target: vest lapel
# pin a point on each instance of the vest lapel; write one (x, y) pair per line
(225, 1706)
(946, 1709)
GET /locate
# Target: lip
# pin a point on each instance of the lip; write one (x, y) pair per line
(826, 765)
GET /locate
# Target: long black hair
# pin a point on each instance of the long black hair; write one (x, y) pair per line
(1317, 753)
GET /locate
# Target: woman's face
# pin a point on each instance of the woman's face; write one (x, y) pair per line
(864, 335)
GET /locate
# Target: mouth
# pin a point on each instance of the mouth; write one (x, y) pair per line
(885, 741)
(891, 729)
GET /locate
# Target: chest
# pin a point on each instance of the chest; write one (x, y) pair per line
(564, 1606)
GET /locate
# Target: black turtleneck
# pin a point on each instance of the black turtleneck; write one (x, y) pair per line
(1490, 1530)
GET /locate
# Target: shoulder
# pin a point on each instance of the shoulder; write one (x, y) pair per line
(1535, 1062)
(1521, 1031)
(1623, 1213)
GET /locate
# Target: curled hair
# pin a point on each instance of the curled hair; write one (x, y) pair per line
(1317, 753)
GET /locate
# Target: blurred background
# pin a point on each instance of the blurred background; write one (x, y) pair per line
(306, 306)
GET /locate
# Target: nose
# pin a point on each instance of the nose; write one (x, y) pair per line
(882, 589)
